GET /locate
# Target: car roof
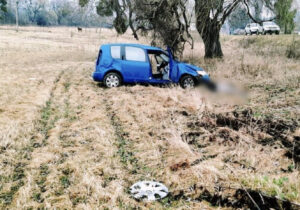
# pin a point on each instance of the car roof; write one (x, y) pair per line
(146, 47)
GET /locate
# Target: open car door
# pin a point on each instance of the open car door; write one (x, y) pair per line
(173, 69)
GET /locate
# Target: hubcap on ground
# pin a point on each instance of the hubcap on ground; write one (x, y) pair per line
(148, 191)
(112, 81)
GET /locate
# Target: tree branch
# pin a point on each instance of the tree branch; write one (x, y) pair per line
(252, 18)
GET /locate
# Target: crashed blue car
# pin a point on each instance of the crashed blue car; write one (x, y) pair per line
(119, 64)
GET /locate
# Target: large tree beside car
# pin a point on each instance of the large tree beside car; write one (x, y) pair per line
(211, 15)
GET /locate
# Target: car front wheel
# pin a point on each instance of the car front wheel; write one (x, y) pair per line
(187, 82)
(112, 80)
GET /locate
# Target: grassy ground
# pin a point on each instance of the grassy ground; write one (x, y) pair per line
(66, 142)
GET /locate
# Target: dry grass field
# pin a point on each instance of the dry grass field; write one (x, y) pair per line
(67, 142)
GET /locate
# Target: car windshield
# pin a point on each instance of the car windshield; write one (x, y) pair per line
(253, 24)
(269, 23)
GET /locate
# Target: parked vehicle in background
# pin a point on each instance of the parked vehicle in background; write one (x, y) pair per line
(270, 28)
(253, 28)
(297, 32)
(135, 63)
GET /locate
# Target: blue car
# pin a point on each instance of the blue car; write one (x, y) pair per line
(135, 63)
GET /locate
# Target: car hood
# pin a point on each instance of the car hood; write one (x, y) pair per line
(191, 67)
(195, 71)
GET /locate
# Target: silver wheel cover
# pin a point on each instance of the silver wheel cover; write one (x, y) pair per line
(188, 83)
(112, 81)
(148, 191)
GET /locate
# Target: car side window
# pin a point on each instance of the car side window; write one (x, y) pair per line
(115, 52)
(135, 54)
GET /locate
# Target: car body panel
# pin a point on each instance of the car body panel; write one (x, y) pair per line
(140, 71)
(173, 67)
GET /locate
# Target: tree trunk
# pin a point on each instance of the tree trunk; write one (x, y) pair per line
(208, 26)
(17, 16)
(212, 44)
(210, 34)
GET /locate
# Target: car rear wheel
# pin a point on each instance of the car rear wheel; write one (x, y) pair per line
(187, 81)
(112, 80)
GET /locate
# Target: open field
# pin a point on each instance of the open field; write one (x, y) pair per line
(67, 142)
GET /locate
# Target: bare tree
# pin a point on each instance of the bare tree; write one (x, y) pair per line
(110, 8)
(17, 15)
(62, 9)
(33, 7)
(255, 9)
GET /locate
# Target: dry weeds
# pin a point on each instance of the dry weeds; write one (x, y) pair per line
(66, 142)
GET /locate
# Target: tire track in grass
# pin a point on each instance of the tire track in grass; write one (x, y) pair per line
(45, 168)
(123, 143)
(24, 156)
(128, 156)
(73, 170)
(87, 161)
(50, 118)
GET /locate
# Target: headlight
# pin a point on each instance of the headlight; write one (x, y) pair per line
(202, 73)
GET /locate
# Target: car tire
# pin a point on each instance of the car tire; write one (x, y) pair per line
(187, 81)
(112, 80)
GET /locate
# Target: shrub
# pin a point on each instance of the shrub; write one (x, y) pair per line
(293, 51)
(247, 42)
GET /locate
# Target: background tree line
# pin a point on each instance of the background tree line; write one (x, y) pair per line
(166, 21)
(51, 13)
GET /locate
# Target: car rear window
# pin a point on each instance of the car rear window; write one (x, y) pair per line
(115, 52)
(135, 54)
